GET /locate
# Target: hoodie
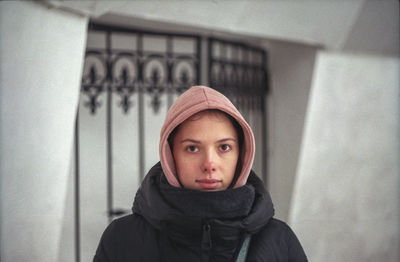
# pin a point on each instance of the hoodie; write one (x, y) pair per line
(194, 100)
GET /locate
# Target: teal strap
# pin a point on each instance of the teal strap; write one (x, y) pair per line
(243, 251)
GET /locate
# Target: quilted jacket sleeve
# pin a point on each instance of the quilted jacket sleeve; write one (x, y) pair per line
(276, 242)
(129, 238)
(295, 250)
(105, 250)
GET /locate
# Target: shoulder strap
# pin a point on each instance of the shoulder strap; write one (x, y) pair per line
(243, 251)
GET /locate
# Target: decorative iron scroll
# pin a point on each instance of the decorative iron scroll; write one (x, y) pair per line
(239, 71)
(94, 79)
(126, 73)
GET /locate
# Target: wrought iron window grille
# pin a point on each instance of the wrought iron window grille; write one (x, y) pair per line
(153, 73)
(235, 69)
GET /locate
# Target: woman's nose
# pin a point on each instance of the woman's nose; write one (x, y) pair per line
(209, 165)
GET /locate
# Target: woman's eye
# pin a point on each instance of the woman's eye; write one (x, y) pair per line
(192, 149)
(225, 147)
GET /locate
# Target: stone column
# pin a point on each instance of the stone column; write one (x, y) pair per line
(41, 51)
(346, 198)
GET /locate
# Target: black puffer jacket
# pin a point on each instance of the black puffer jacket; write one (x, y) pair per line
(177, 224)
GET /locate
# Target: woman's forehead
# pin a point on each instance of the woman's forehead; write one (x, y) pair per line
(207, 125)
(214, 114)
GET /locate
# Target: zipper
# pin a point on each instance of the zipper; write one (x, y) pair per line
(206, 243)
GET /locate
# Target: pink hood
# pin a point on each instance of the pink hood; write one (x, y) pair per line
(196, 99)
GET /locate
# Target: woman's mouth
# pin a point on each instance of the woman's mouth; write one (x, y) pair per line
(209, 184)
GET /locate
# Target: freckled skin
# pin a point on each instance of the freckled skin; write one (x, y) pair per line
(206, 152)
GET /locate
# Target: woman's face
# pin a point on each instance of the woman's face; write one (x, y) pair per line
(206, 151)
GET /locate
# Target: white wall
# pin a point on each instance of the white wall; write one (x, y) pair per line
(376, 29)
(291, 67)
(346, 199)
(41, 54)
(308, 21)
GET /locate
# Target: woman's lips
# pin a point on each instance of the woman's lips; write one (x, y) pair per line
(209, 183)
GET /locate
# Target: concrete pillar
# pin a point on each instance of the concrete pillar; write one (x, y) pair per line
(41, 52)
(345, 205)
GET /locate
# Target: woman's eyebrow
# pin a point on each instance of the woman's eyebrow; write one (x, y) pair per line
(226, 139)
(190, 141)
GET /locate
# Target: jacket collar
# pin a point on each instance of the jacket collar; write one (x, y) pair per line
(245, 208)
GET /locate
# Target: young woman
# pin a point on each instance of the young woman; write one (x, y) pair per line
(202, 202)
